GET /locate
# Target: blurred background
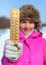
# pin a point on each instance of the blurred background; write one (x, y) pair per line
(6, 6)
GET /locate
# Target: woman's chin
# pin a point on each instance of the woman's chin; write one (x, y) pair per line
(26, 33)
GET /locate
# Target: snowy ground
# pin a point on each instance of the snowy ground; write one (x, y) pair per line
(3, 37)
(5, 34)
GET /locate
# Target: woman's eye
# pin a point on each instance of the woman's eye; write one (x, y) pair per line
(31, 22)
(22, 22)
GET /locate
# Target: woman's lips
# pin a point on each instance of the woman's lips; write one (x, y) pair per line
(26, 30)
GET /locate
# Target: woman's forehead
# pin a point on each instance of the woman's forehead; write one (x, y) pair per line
(27, 19)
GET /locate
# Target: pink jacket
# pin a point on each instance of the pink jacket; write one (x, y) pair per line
(34, 51)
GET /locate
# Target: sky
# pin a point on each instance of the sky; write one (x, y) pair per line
(7, 5)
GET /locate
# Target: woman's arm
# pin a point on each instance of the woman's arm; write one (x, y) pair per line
(45, 52)
(11, 53)
(6, 61)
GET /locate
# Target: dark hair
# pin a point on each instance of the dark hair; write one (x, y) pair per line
(31, 12)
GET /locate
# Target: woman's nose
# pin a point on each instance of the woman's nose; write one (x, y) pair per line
(27, 26)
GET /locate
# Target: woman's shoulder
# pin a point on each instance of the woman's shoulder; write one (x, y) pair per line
(44, 40)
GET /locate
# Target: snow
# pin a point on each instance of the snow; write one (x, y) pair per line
(3, 37)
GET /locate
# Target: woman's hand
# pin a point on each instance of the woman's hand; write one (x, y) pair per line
(13, 51)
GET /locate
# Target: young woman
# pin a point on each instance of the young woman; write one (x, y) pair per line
(31, 49)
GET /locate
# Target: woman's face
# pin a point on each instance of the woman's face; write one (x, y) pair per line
(27, 25)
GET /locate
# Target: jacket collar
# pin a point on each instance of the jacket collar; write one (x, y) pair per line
(34, 34)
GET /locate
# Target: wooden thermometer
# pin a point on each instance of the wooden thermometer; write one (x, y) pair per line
(14, 25)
